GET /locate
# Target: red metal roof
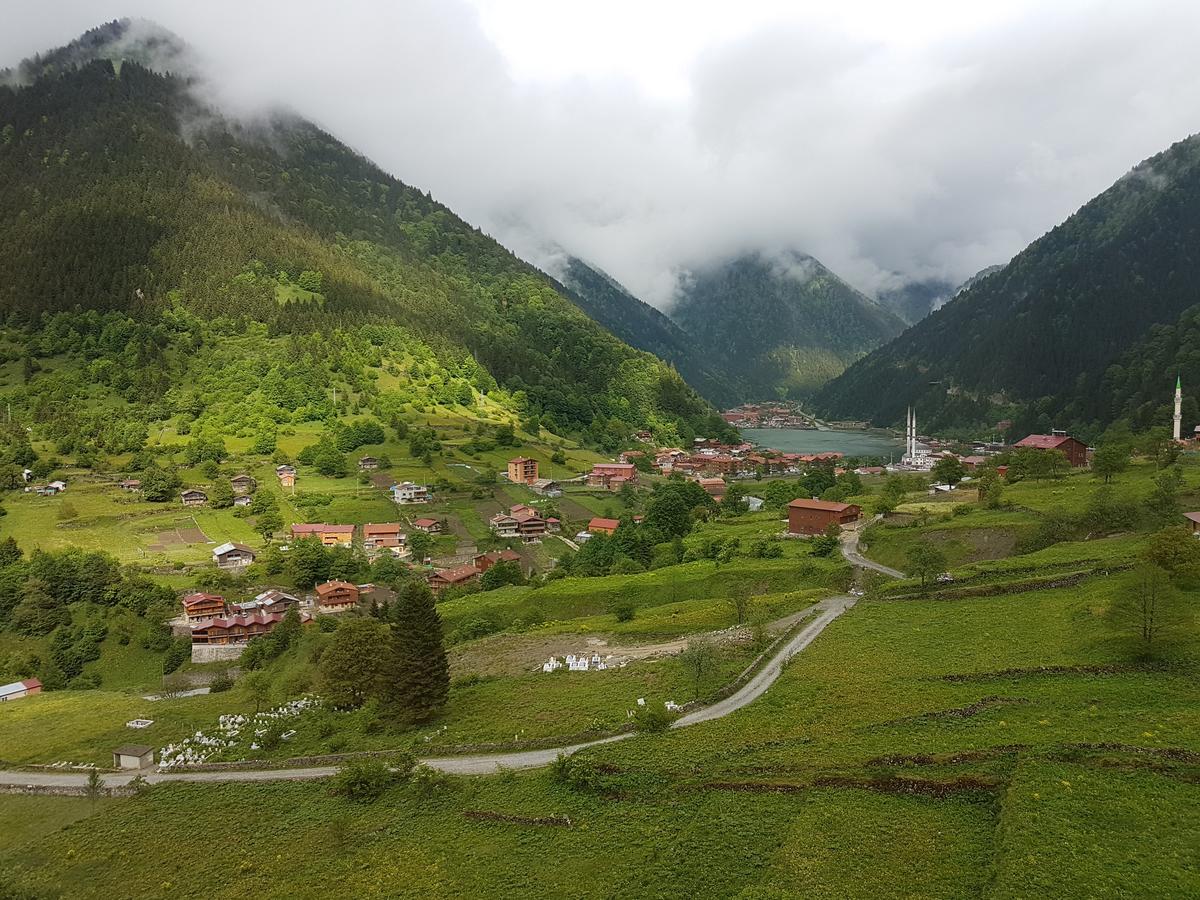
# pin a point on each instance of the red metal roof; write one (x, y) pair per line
(1044, 441)
(607, 524)
(1193, 517)
(321, 528)
(825, 505)
(382, 528)
(460, 573)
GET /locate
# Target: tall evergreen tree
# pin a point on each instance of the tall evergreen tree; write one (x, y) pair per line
(417, 681)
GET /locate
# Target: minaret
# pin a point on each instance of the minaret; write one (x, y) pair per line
(908, 429)
(1178, 405)
(912, 450)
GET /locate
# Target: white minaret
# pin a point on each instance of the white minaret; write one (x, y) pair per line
(912, 450)
(1178, 406)
(908, 419)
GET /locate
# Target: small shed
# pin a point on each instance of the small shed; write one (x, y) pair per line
(133, 756)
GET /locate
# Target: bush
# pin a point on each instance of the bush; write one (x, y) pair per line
(427, 781)
(363, 781)
(624, 611)
(653, 718)
(221, 682)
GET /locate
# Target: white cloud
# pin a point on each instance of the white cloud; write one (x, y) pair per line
(889, 140)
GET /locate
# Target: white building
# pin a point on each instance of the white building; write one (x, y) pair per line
(408, 492)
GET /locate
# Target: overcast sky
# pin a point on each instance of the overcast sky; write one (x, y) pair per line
(895, 141)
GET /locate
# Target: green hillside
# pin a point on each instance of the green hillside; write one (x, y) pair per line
(641, 325)
(1034, 342)
(123, 194)
(779, 327)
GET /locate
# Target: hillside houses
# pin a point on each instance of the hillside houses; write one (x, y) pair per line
(379, 536)
(485, 561)
(337, 596)
(408, 492)
(239, 629)
(522, 470)
(193, 497)
(523, 522)
(18, 689)
(243, 484)
(427, 525)
(612, 476)
(601, 525)
(1075, 451)
(232, 556)
(200, 606)
(269, 601)
(546, 487)
(460, 576)
(328, 535)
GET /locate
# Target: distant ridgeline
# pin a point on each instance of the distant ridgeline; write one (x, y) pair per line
(754, 328)
(122, 194)
(1087, 326)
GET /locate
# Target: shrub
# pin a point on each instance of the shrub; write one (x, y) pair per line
(427, 781)
(624, 611)
(363, 781)
(653, 718)
(220, 683)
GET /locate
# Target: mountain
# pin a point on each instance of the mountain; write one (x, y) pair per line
(1034, 340)
(779, 326)
(124, 193)
(914, 301)
(641, 325)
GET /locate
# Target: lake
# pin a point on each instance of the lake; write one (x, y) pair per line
(851, 443)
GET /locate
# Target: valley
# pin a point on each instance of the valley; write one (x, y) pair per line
(345, 552)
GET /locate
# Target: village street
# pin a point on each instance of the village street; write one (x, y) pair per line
(490, 763)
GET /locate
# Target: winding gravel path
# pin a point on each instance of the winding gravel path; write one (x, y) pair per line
(488, 763)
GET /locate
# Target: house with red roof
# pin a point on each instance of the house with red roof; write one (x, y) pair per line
(460, 576)
(814, 516)
(1074, 450)
(337, 596)
(328, 535)
(200, 606)
(601, 525)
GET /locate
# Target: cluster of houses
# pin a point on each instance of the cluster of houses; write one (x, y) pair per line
(214, 620)
(376, 536)
(524, 523)
(243, 486)
(775, 415)
(523, 470)
(469, 573)
(48, 490)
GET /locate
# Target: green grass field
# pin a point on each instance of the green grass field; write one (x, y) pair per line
(1008, 743)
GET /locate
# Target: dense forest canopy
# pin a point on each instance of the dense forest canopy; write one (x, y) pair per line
(124, 194)
(1041, 341)
(779, 327)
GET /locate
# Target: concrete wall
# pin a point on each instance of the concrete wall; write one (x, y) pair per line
(205, 653)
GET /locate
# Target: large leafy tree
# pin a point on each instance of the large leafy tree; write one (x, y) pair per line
(353, 664)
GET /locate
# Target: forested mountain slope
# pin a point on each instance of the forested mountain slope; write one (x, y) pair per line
(1034, 340)
(123, 193)
(641, 325)
(780, 326)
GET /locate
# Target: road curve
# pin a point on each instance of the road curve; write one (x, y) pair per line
(850, 552)
(480, 764)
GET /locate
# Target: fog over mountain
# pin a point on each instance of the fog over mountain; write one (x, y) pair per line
(899, 145)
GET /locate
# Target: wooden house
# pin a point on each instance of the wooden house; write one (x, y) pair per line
(814, 516)
(444, 579)
(337, 596)
(328, 535)
(600, 525)
(232, 556)
(200, 606)
(243, 484)
(193, 497)
(1074, 450)
(381, 535)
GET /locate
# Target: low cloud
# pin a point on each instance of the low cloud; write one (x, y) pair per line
(890, 161)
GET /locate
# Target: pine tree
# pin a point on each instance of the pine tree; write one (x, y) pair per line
(417, 681)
